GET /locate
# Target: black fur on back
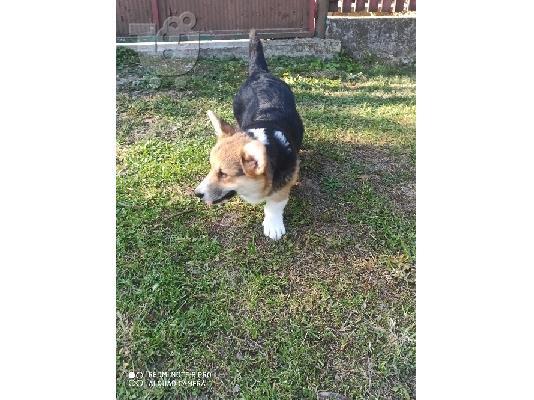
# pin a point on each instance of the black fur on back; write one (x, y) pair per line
(265, 101)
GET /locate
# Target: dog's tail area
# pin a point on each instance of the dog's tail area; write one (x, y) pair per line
(257, 61)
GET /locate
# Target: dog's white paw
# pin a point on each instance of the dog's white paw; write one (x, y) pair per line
(274, 228)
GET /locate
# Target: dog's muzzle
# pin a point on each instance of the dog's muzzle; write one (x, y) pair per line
(226, 196)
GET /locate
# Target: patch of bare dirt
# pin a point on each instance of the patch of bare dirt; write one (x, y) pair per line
(228, 227)
(402, 197)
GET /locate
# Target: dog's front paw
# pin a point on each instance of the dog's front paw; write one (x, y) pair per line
(274, 228)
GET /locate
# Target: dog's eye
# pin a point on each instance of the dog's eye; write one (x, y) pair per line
(222, 174)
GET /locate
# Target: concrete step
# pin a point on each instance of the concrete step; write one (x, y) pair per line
(300, 47)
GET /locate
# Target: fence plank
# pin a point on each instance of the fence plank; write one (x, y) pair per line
(332, 6)
(322, 12)
(411, 6)
(386, 5)
(155, 14)
(399, 5)
(346, 6)
(360, 5)
(373, 5)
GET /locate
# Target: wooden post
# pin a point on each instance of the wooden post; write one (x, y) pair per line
(322, 13)
(311, 16)
(386, 6)
(155, 14)
(399, 5)
(373, 5)
(333, 6)
(411, 6)
(360, 5)
(345, 6)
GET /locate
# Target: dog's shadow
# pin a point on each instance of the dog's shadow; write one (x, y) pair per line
(338, 183)
(335, 178)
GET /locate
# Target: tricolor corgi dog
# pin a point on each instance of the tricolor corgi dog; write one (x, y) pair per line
(258, 158)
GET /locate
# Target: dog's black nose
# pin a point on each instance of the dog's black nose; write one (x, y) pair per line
(199, 195)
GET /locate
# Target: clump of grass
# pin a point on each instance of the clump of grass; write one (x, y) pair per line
(126, 57)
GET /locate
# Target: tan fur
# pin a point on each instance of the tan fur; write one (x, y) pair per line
(227, 156)
(254, 158)
(221, 127)
(240, 164)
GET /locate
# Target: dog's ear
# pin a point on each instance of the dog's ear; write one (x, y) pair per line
(254, 158)
(222, 128)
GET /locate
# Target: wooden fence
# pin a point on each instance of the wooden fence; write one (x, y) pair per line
(382, 6)
(220, 18)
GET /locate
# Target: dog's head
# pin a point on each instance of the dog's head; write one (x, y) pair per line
(238, 166)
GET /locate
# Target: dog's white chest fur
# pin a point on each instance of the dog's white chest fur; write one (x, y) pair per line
(252, 198)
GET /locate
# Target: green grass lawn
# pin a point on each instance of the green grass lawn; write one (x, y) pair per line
(331, 306)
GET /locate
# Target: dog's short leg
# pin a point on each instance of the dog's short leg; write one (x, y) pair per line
(273, 223)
